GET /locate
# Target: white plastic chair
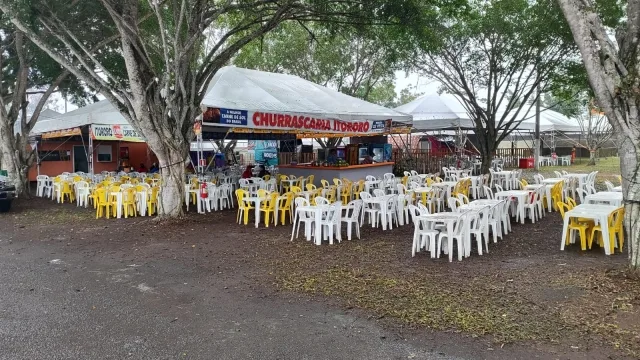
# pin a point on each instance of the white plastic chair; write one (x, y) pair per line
(609, 185)
(378, 192)
(320, 201)
(506, 219)
(329, 223)
(82, 193)
(41, 184)
(302, 217)
(477, 228)
(370, 178)
(494, 221)
(488, 192)
(531, 206)
(445, 238)
(352, 217)
(463, 198)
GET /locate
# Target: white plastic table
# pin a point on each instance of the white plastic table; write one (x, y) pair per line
(448, 219)
(448, 185)
(520, 195)
(547, 190)
(617, 189)
(504, 176)
(256, 201)
(605, 197)
(317, 213)
(599, 213)
(381, 201)
(187, 192)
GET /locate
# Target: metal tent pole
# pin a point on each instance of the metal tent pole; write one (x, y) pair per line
(536, 142)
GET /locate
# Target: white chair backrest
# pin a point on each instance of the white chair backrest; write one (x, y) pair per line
(609, 185)
(423, 209)
(370, 178)
(365, 195)
(463, 198)
(558, 174)
(406, 173)
(300, 201)
(321, 201)
(401, 189)
(414, 173)
(388, 176)
(378, 192)
(488, 192)
(498, 188)
(82, 185)
(454, 203)
(353, 209)
(413, 185)
(243, 182)
(392, 202)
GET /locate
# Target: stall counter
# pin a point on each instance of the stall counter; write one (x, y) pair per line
(353, 172)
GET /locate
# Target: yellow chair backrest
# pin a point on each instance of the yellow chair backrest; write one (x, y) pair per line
(129, 195)
(266, 177)
(325, 183)
(310, 179)
(405, 180)
(114, 188)
(571, 203)
(100, 195)
(438, 179)
(310, 187)
(523, 183)
(240, 196)
(295, 189)
(262, 193)
(270, 203)
(134, 181)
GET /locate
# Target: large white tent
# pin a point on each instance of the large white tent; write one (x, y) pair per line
(252, 90)
(549, 121)
(101, 112)
(437, 112)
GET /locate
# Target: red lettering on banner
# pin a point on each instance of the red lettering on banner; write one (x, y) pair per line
(365, 126)
(256, 118)
(280, 121)
(287, 120)
(277, 119)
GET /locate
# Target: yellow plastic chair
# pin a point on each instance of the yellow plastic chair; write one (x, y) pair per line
(331, 194)
(361, 185)
(325, 183)
(405, 180)
(268, 207)
(66, 189)
(523, 184)
(152, 201)
(284, 206)
(310, 187)
(300, 180)
(262, 193)
(428, 181)
(266, 177)
(295, 189)
(615, 229)
(345, 194)
(575, 225)
(134, 181)
(438, 179)
(316, 193)
(102, 203)
(129, 202)
(310, 179)
(243, 207)
(284, 185)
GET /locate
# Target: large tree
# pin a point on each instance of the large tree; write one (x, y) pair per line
(495, 58)
(26, 74)
(171, 49)
(613, 68)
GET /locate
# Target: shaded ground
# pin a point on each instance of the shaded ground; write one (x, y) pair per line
(208, 288)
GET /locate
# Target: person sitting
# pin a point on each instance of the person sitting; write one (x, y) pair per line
(142, 168)
(154, 168)
(248, 173)
(263, 171)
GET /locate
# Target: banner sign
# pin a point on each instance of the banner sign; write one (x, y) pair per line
(62, 133)
(292, 122)
(115, 132)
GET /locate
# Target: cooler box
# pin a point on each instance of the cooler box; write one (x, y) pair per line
(526, 163)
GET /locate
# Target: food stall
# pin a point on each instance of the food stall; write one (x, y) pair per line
(252, 102)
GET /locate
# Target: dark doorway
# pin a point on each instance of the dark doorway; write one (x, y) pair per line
(80, 162)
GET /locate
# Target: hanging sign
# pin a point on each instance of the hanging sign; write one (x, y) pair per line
(297, 123)
(61, 133)
(115, 132)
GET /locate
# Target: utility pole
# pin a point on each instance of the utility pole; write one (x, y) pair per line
(536, 142)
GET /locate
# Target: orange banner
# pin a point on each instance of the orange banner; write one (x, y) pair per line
(61, 133)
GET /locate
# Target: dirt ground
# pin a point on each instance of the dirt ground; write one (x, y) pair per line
(524, 297)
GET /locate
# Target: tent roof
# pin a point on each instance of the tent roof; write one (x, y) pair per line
(252, 90)
(101, 112)
(45, 115)
(437, 112)
(549, 121)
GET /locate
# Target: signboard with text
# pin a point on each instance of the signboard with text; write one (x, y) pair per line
(295, 123)
(61, 133)
(115, 132)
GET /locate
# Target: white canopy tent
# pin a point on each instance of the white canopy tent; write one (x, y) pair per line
(437, 112)
(101, 112)
(253, 91)
(549, 121)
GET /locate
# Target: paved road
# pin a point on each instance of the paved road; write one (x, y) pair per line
(55, 306)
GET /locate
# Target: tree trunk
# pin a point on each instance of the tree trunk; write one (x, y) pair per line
(592, 158)
(17, 170)
(629, 155)
(171, 154)
(486, 158)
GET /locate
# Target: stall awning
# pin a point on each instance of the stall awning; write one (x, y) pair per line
(251, 99)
